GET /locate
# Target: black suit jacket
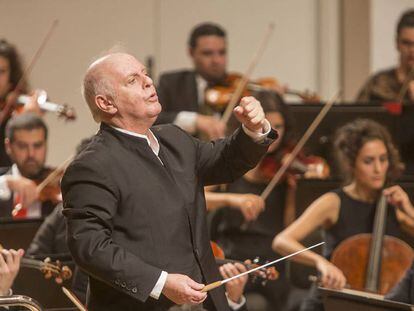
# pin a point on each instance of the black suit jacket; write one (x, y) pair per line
(130, 217)
(177, 91)
(404, 290)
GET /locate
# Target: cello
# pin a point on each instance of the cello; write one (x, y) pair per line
(373, 262)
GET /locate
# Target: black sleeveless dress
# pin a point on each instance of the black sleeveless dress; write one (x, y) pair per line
(354, 217)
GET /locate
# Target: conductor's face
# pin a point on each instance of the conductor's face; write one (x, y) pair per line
(136, 98)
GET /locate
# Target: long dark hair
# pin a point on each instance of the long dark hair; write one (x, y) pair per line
(9, 52)
(351, 137)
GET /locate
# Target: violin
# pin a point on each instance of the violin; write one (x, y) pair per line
(373, 262)
(50, 269)
(62, 110)
(48, 187)
(17, 102)
(219, 96)
(50, 191)
(302, 166)
(269, 273)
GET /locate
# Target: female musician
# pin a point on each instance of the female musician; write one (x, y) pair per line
(247, 231)
(368, 160)
(10, 73)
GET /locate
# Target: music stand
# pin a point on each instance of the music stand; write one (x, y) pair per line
(346, 300)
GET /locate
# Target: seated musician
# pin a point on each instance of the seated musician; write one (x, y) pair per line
(26, 144)
(244, 224)
(387, 85)
(369, 162)
(10, 74)
(9, 267)
(181, 93)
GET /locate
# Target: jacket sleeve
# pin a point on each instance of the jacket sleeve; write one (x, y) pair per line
(90, 203)
(223, 161)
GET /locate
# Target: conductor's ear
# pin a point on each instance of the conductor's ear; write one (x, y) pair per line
(106, 104)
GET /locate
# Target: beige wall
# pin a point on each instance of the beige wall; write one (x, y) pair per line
(368, 39)
(385, 15)
(86, 28)
(158, 28)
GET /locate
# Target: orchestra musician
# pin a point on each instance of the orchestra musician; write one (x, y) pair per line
(11, 72)
(369, 162)
(134, 198)
(182, 93)
(248, 230)
(387, 85)
(26, 145)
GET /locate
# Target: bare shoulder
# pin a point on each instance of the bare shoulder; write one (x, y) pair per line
(326, 208)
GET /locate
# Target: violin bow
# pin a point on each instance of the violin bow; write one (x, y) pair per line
(7, 108)
(50, 178)
(404, 87)
(315, 123)
(243, 82)
(219, 283)
(74, 299)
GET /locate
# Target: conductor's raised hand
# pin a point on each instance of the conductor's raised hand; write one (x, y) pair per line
(181, 289)
(250, 113)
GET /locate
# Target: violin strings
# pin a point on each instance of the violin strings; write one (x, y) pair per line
(32, 263)
(54, 270)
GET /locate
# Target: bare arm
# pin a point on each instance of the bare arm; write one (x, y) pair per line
(250, 205)
(323, 212)
(405, 210)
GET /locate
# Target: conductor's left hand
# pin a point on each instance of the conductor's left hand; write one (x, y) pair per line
(181, 289)
(250, 113)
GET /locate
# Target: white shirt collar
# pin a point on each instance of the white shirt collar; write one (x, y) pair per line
(15, 170)
(201, 88)
(151, 139)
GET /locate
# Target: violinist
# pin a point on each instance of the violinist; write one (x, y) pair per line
(10, 73)
(369, 162)
(387, 85)
(26, 144)
(182, 93)
(247, 231)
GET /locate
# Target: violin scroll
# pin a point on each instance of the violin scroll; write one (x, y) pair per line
(219, 96)
(62, 110)
(56, 270)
